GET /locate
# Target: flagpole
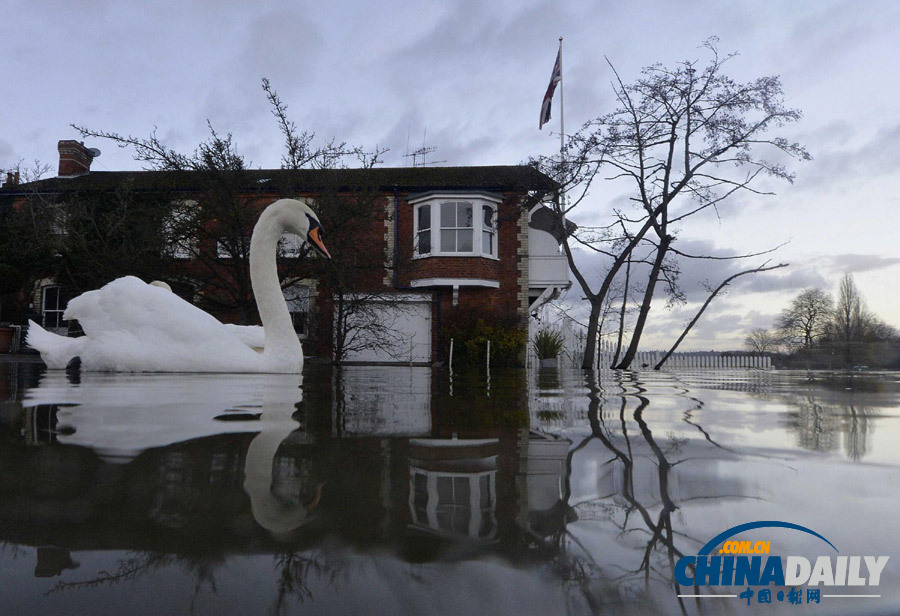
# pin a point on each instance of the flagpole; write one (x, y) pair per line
(562, 146)
(562, 130)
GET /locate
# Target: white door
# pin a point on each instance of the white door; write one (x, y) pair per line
(391, 329)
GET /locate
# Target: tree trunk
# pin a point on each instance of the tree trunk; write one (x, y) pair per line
(590, 345)
(622, 312)
(645, 304)
(706, 303)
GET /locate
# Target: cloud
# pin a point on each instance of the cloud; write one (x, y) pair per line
(794, 280)
(853, 263)
(843, 161)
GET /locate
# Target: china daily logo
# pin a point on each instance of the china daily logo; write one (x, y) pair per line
(724, 561)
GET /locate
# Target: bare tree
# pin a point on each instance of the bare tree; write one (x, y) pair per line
(213, 228)
(684, 135)
(853, 326)
(299, 151)
(806, 319)
(850, 314)
(368, 322)
(20, 173)
(761, 340)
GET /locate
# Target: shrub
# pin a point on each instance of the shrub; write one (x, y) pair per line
(548, 343)
(470, 335)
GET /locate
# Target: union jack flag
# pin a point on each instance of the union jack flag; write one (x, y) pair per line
(555, 78)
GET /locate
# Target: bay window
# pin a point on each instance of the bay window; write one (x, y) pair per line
(455, 226)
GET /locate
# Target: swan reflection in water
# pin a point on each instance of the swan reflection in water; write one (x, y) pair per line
(120, 416)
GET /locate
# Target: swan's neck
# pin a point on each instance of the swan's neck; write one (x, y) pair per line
(281, 340)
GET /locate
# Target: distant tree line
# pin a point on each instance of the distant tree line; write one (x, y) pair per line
(817, 331)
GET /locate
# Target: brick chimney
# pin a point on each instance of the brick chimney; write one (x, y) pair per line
(74, 158)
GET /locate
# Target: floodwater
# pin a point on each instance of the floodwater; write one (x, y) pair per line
(378, 490)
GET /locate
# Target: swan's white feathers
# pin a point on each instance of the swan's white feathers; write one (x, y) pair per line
(253, 336)
(131, 326)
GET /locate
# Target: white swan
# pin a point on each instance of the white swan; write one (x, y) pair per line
(131, 326)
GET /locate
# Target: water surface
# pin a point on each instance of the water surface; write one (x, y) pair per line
(401, 490)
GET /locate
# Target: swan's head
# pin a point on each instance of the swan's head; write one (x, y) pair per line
(302, 221)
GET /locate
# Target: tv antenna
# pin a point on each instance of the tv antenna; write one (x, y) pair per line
(419, 156)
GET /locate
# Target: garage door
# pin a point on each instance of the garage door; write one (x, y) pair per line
(392, 329)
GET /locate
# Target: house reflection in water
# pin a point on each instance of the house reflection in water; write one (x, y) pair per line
(190, 457)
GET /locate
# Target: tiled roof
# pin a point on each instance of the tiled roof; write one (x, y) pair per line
(409, 179)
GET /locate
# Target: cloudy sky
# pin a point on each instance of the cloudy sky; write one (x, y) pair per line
(468, 78)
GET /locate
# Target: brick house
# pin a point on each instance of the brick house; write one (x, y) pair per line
(449, 240)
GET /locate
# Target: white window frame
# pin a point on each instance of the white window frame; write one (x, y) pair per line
(58, 308)
(478, 202)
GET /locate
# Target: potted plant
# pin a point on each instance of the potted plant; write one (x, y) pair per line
(547, 345)
(10, 282)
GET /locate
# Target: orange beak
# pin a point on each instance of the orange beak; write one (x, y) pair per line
(316, 242)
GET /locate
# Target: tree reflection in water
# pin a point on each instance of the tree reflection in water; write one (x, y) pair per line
(660, 541)
(200, 568)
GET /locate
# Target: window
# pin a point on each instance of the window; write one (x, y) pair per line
(178, 231)
(487, 230)
(290, 246)
(456, 227)
(423, 235)
(297, 298)
(181, 249)
(53, 304)
(233, 247)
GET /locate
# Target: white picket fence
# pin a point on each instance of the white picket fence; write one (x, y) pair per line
(573, 353)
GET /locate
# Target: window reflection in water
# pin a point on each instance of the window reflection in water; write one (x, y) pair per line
(453, 487)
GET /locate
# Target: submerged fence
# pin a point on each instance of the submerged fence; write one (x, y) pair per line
(573, 353)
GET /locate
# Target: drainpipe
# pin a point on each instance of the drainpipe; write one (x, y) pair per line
(397, 242)
(437, 298)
